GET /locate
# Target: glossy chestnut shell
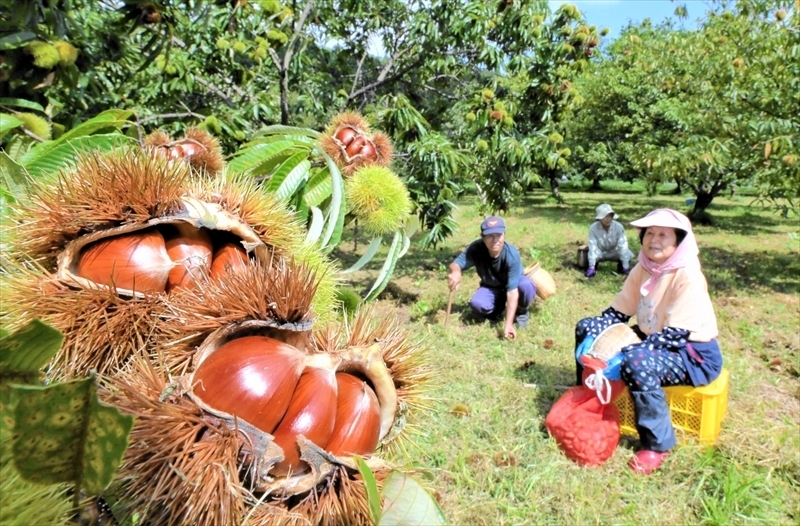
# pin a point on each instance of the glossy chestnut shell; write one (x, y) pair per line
(252, 378)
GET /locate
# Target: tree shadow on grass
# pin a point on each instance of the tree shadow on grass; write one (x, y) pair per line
(747, 271)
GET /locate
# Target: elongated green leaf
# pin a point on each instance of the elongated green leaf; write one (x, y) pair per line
(388, 267)
(8, 122)
(66, 152)
(113, 118)
(298, 167)
(26, 351)
(406, 245)
(372, 249)
(13, 177)
(16, 40)
(406, 503)
(105, 121)
(371, 485)
(22, 103)
(278, 129)
(249, 159)
(315, 230)
(318, 188)
(63, 434)
(336, 210)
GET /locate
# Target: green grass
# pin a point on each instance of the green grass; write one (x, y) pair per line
(484, 442)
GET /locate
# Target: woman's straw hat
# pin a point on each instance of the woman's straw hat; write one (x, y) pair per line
(545, 285)
(611, 341)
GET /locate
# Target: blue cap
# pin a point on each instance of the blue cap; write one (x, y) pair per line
(493, 225)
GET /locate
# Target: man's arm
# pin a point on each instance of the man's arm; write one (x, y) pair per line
(512, 300)
(454, 277)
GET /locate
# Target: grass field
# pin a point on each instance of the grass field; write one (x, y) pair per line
(484, 444)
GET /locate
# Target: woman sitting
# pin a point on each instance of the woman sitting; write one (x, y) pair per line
(669, 295)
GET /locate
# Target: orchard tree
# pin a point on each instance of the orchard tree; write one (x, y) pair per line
(709, 108)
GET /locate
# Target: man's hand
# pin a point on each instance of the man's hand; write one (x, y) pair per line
(454, 278)
(509, 331)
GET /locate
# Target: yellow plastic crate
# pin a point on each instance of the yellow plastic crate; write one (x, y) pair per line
(696, 412)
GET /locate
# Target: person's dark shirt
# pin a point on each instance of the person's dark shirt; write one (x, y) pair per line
(503, 271)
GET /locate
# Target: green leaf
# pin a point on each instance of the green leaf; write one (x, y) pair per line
(315, 230)
(336, 210)
(285, 169)
(113, 118)
(8, 122)
(63, 434)
(372, 249)
(294, 180)
(16, 40)
(22, 103)
(13, 177)
(371, 485)
(279, 129)
(53, 159)
(251, 159)
(407, 503)
(388, 267)
(318, 188)
(28, 350)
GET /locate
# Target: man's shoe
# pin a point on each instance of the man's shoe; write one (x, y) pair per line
(645, 462)
(521, 320)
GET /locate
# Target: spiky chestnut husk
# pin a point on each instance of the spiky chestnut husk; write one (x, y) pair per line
(341, 500)
(45, 55)
(37, 125)
(101, 329)
(408, 362)
(274, 299)
(246, 366)
(379, 199)
(67, 53)
(198, 147)
(181, 466)
(352, 119)
(128, 187)
(279, 229)
(348, 142)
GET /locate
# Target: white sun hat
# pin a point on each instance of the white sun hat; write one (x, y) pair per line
(603, 210)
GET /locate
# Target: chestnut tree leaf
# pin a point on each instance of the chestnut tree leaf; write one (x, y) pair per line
(407, 503)
(371, 485)
(25, 352)
(63, 434)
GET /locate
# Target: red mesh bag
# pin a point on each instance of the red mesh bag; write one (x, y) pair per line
(586, 430)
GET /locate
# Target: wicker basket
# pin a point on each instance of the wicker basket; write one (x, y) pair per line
(545, 286)
(609, 342)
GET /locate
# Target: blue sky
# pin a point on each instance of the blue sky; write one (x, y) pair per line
(615, 14)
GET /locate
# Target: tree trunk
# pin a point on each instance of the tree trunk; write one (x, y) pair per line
(678, 187)
(596, 184)
(702, 201)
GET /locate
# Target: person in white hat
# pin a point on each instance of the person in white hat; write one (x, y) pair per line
(668, 294)
(607, 241)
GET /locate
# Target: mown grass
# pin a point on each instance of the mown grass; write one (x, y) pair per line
(484, 442)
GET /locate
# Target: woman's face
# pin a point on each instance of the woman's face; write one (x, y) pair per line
(659, 243)
(607, 220)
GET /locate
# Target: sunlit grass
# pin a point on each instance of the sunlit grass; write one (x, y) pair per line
(491, 461)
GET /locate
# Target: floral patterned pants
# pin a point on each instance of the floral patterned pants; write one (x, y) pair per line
(650, 369)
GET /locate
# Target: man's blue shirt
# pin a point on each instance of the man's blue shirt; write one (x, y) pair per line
(503, 271)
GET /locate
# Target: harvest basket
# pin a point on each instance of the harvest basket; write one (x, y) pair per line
(545, 285)
(696, 412)
(611, 341)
